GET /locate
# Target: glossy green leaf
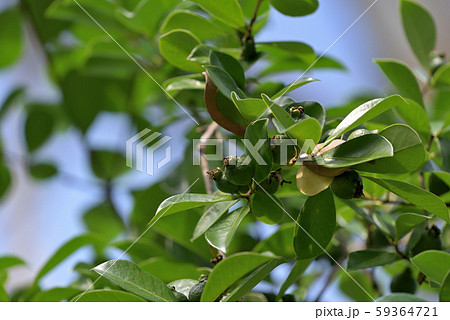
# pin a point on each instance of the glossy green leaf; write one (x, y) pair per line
(279, 113)
(222, 232)
(288, 51)
(261, 157)
(415, 116)
(364, 113)
(307, 129)
(369, 258)
(297, 270)
(107, 296)
(441, 78)
(66, 250)
(418, 197)
(434, 264)
(223, 81)
(406, 222)
(188, 82)
(107, 164)
(183, 285)
(56, 295)
(221, 278)
(181, 202)
(315, 225)
(210, 216)
(176, 45)
(409, 152)
(420, 29)
(356, 151)
(195, 23)
(444, 293)
(10, 261)
(228, 11)
(401, 297)
(291, 87)
(402, 78)
(130, 277)
(41, 171)
(230, 65)
(168, 270)
(252, 280)
(250, 108)
(357, 286)
(267, 208)
(279, 243)
(295, 8)
(38, 126)
(11, 36)
(315, 110)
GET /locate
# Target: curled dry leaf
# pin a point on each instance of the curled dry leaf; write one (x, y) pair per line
(310, 183)
(214, 111)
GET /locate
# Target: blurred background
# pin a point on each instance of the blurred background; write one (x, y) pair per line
(37, 217)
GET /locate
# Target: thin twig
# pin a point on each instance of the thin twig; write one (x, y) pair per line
(204, 166)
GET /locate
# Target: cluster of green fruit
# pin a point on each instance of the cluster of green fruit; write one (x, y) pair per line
(235, 176)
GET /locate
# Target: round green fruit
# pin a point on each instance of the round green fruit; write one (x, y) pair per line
(348, 185)
(238, 170)
(221, 181)
(283, 142)
(404, 282)
(269, 185)
(429, 240)
(195, 294)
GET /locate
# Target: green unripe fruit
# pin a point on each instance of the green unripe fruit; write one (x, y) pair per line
(296, 111)
(221, 181)
(195, 294)
(404, 282)
(226, 186)
(243, 189)
(348, 185)
(238, 170)
(269, 185)
(429, 240)
(358, 133)
(282, 141)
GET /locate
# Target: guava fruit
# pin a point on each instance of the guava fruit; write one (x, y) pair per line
(238, 170)
(195, 294)
(348, 185)
(282, 141)
(429, 240)
(180, 297)
(404, 282)
(221, 181)
(270, 184)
